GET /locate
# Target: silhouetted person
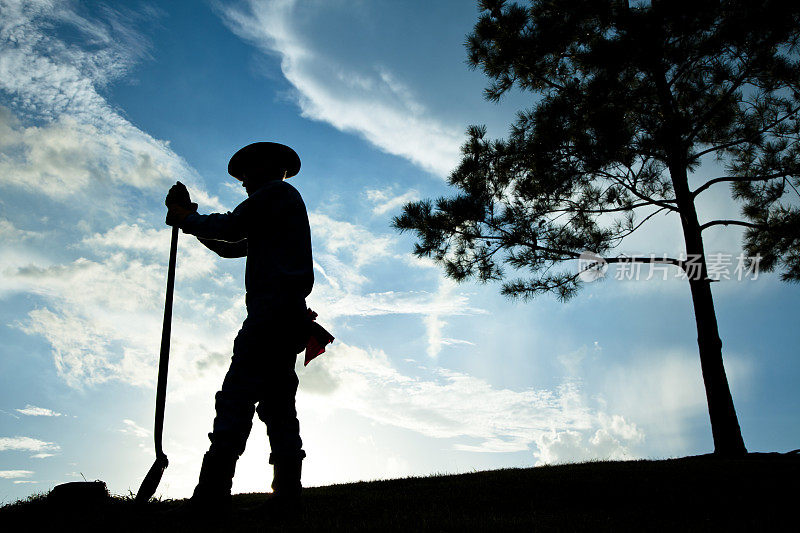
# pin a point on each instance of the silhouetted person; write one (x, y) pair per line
(271, 229)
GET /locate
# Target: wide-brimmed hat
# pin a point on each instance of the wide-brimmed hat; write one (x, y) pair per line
(259, 157)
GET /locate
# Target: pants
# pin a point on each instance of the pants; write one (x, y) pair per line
(262, 373)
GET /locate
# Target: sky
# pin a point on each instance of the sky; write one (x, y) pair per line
(104, 105)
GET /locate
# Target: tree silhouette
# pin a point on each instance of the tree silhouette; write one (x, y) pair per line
(631, 101)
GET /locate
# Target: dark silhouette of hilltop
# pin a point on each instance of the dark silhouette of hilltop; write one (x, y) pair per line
(703, 493)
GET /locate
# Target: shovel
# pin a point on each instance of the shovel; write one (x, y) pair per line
(153, 477)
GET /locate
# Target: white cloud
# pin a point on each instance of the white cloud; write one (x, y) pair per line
(447, 341)
(32, 410)
(654, 386)
(606, 443)
(81, 149)
(370, 102)
(153, 244)
(87, 168)
(132, 428)
(343, 250)
(433, 326)
(662, 391)
(445, 302)
(97, 165)
(10, 233)
(84, 148)
(42, 455)
(385, 200)
(103, 319)
(336, 304)
(359, 245)
(572, 360)
(14, 474)
(236, 190)
(27, 444)
(49, 77)
(96, 339)
(102, 316)
(81, 353)
(455, 405)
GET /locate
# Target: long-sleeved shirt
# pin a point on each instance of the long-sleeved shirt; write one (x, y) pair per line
(271, 229)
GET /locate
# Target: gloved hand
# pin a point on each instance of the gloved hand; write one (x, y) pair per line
(178, 195)
(179, 204)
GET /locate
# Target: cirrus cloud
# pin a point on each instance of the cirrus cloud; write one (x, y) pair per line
(370, 102)
(32, 410)
(15, 474)
(28, 444)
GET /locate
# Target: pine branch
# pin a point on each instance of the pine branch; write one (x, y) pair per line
(668, 260)
(639, 225)
(749, 138)
(635, 192)
(730, 223)
(710, 113)
(709, 183)
(602, 211)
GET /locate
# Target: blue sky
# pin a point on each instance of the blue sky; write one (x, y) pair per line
(102, 108)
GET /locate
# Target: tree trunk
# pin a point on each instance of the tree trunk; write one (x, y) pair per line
(724, 423)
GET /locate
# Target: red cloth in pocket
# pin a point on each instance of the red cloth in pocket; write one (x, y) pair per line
(318, 340)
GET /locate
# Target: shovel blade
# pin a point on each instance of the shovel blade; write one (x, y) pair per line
(151, 480)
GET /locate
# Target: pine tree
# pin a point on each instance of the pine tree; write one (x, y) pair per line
(630, 100)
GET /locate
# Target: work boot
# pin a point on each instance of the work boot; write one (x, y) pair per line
(212, 495)
(286, 497)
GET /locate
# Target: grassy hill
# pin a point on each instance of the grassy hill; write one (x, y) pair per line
(705, 493)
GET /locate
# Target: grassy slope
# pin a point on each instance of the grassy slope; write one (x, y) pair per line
(756, 493)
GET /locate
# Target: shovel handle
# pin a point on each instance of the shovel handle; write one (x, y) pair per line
(163, 362)
(153, 477)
